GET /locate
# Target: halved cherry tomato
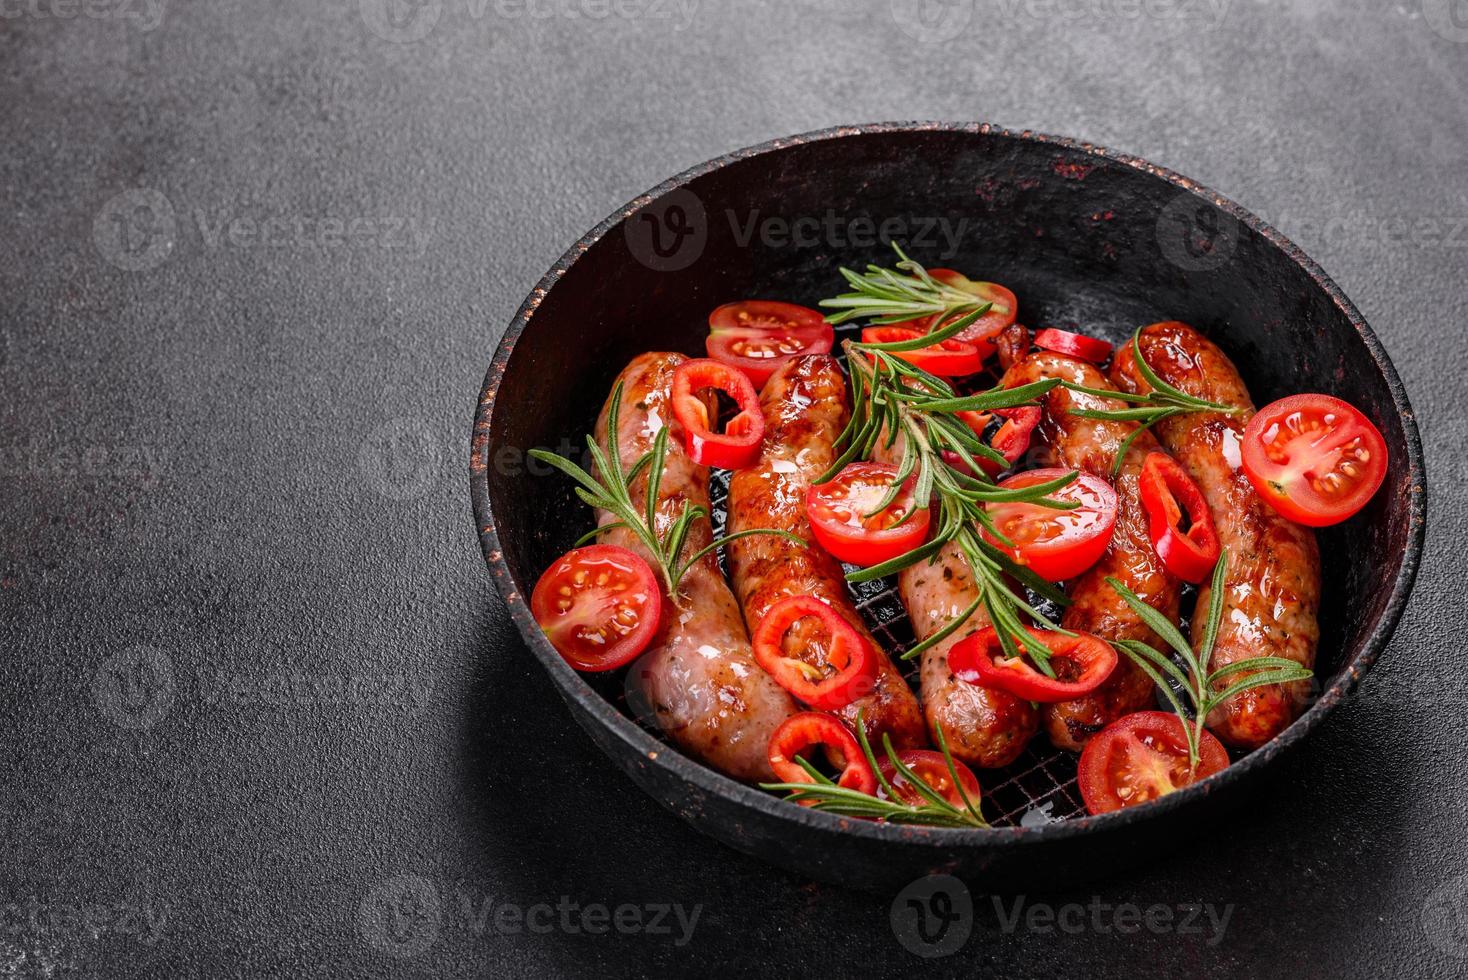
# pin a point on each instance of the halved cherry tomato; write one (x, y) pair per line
(600, 606)
(1074, 344)
(947, 359)
(1055, 544)
(842, 668)
(842, 519)
(758, 335)
(1010, 440)
(1081, 664)
(1140, 757)
(808, 729)
(932, 769)
(1168, 495)
(981, 332)
(739, 444)
(1314, 458)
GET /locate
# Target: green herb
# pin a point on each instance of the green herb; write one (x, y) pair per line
(1196, 682)
(882, 296)
(1162, 402)
(613, 493)
(935, 810)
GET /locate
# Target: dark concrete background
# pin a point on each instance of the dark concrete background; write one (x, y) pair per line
(235, 460)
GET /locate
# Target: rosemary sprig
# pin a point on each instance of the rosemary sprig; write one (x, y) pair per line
(893, 398)
(882, 296)
(824, 794)
(1195, 681)
(1162, 402)
(613, 493)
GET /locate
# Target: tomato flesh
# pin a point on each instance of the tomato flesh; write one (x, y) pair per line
(1313, 458)
(600, 606)
(757, 336)
(842, 519)
(932, 769)
(1169, 496)
(1081, 663)
(949, 358)
(828, 666)
(1055, 544)
(1002, 313)
(1073, 344)
(1141, 757)
(739, 444)
(804, 731)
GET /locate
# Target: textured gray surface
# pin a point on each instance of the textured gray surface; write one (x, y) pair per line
(255, 673)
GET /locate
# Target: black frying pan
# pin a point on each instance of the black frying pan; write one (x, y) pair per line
(1084, 237)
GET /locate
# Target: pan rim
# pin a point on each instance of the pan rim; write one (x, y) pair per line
(660, 753)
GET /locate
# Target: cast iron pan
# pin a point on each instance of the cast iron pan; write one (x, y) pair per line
(1085, 237)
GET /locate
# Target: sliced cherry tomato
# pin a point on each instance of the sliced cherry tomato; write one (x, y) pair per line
(947, 359)
(804, 731)
(757, 336)
(1169, 496)
(981, 332)
(1314, 458)
(842, 519)
(739, 444)
(1140, 757)
(1010, 440)
(828, 666)
(932, 769)
(1074, 344)
(600, 606)
(1055, 544)
(1081, 664)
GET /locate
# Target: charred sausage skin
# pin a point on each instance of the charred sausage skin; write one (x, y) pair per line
(1272, 586)
(699, 676)
(982, 726)
(1091, 445)
(804, 405)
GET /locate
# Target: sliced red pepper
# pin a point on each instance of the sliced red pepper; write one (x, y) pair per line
(1002, 313)
(739, 444)
(1081, 664)
(808, 729)
(947, 359)
(1168, 493)
(843, 669)
(1076, 345)
(1011, 439)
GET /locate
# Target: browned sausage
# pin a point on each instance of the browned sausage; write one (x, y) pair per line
(1090, 445)
(1272, 587)
(983, 726)
(804, 405)
(699, 676)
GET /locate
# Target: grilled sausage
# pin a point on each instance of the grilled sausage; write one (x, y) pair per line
(983, 726)
(699, 676)
(1090, 445)
(804, 405)
(1272, 585)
